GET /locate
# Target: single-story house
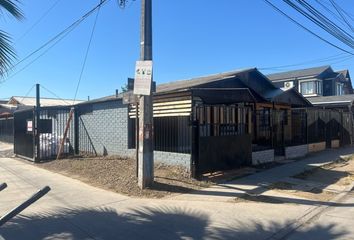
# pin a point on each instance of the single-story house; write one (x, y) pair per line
(204, 124)
(234, 106)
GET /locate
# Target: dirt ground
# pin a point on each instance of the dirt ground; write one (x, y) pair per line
(119, 175)
(6, 153)
(340, 172)
(331, 176)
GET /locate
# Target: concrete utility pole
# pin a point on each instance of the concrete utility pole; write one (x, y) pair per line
(146, 145)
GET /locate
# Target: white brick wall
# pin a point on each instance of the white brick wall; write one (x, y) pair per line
(296, 151)
(262, 157)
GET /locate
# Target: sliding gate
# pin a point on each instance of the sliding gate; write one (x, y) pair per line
(55, 133)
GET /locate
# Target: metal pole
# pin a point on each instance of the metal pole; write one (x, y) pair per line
(146, 155)
(24, 205)
(137, 137)
(3, 186)
(37, 132)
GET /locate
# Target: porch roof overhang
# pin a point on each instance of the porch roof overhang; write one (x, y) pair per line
(333, 101)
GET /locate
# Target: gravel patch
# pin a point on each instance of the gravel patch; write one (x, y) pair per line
(119, 175)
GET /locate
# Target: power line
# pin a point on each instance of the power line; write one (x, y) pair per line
(326, 21)
(86, 54)
(54, 94)
(318, 60)
(38, 21)
(39, 56)
(336, 7)
(29, 91)
(351, 16)
(305, 28)
(323, 22)
(332, 13)
(72, 26)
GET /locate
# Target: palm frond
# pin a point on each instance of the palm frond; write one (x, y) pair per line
(11, 6)
(7, 53)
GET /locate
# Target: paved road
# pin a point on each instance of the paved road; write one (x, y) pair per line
(74, 210)
(336, 222)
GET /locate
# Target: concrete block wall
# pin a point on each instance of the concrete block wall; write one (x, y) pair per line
(262, 157)
(316, 147)
(107, 126)
(296, 151)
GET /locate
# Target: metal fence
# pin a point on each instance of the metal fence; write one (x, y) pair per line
(53, 123)
(298, 126)
(262, 130)
(171, 134)
(278, 129)
(268, 128)
(222, 120)
(7, 130)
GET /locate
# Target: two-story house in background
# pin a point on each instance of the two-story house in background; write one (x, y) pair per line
(317, 81)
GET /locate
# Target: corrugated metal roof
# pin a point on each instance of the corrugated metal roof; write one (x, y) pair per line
(45, 102)
(308, 72)
(8, 106)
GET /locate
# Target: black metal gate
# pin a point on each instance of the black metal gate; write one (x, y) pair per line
(53, 123)
(279, 119)
(55, 132)
(221, 139)
(24, 133)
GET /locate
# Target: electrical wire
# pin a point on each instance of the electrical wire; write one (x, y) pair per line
(69, 28)
(305, 28)
(318, 60)
(35, 59)
(39, 20)
(332, 13)
(86, 54)
(322, 23)
(327, 22)
(29, 91)
(54, 94)
(351, 16)
(335, 6)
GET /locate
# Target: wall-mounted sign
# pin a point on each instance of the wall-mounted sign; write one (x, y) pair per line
(143, 77)
(29, 126)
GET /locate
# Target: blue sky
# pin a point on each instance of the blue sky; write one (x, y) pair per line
(190, 38)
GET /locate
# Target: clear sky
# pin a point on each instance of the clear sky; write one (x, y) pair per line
(190, 38)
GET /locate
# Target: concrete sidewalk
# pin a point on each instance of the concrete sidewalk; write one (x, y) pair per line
(74, 210)
(257, 183)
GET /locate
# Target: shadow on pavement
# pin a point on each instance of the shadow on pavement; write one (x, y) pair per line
(145, 223)
(255, 195)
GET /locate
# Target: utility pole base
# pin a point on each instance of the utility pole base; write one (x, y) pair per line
(146, 153)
